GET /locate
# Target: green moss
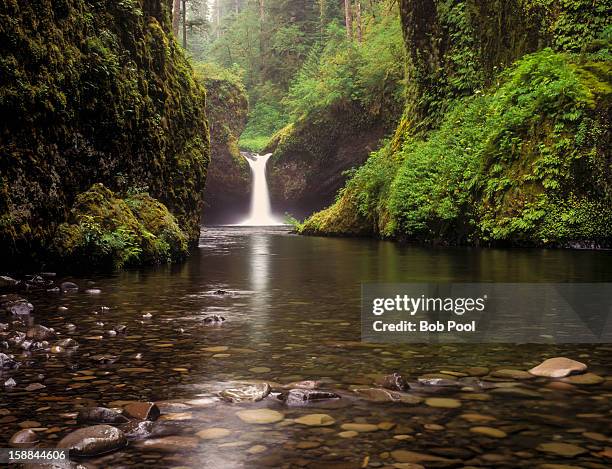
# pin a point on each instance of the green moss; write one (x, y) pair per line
(97, 92)
(107, 231)
(523, 163)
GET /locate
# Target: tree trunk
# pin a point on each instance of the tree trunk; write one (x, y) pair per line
(217, 18)
(237, 6)
(176, 15)
(348, 17)
(262, 39)
(184, 24)
(358, 20)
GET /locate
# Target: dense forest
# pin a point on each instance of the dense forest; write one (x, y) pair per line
(454, 122)
(481, 122)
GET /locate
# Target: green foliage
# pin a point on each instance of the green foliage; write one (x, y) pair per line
(265, 119)
(523, 163)
(109, 232)
(97, 92)
(370, 73)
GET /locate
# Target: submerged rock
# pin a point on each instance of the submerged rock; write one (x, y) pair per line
(40, 333)
(247, 393)
(558, 367)
(385, 395)
(214, 319)
(100, 415)
(23, 439)
(301, 397)
(92, 441)
(260, 416)
(7, 362)
(395, 382)
(69, 287)
(138, 429)
(142, 410)
(316, 420)
(8, 282)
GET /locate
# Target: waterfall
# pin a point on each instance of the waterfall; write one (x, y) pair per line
(261, 211)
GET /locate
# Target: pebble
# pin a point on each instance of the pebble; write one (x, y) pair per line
(443, 403)
(260, 416)
(512, 374)
(566, 450)
(91, 441)
(558, 367)
(214, 433)
(585, 379)
(23, 439)
(316, 420)
(359, 427)
(489, 431)
(348, 434)
(142, 410)
(257, 449)
(260, 369)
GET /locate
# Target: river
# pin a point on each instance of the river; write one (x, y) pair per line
(291, 308)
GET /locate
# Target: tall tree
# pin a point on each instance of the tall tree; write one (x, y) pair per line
(358, 20)
(176, 16)
(184, 5)
(348, 18)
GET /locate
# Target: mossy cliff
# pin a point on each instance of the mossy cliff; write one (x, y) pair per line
(228, 180)
(310, 157)
(97, 92)
(505, 135)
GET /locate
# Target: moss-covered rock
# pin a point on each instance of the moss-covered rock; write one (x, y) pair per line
(228, 180)
(492, 150)
(310, 157)
(96, 91)
(105, 231)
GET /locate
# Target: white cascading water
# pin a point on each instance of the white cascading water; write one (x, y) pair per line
(261, 210)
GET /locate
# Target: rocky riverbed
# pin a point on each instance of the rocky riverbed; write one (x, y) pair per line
(126, 370)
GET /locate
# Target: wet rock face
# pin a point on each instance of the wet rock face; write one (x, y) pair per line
(100, 415)
(228, 182)
(92, 441)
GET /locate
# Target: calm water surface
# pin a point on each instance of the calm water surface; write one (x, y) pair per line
(292, 313)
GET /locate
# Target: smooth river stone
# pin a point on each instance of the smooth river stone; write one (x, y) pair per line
(348, 434)
(260, 416)
(23, 439)
(316, 420)
(171, 444)
(91, 441)
(405, 456)
(562, 449)
(359, 427)
(558, 367)
(585, 379)
(142, 410)
(443, 403)
(512, 374)
(100, 415)
(385, 395)
(246, 393)
(260, 369)
(213, 433)
(489, 431)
